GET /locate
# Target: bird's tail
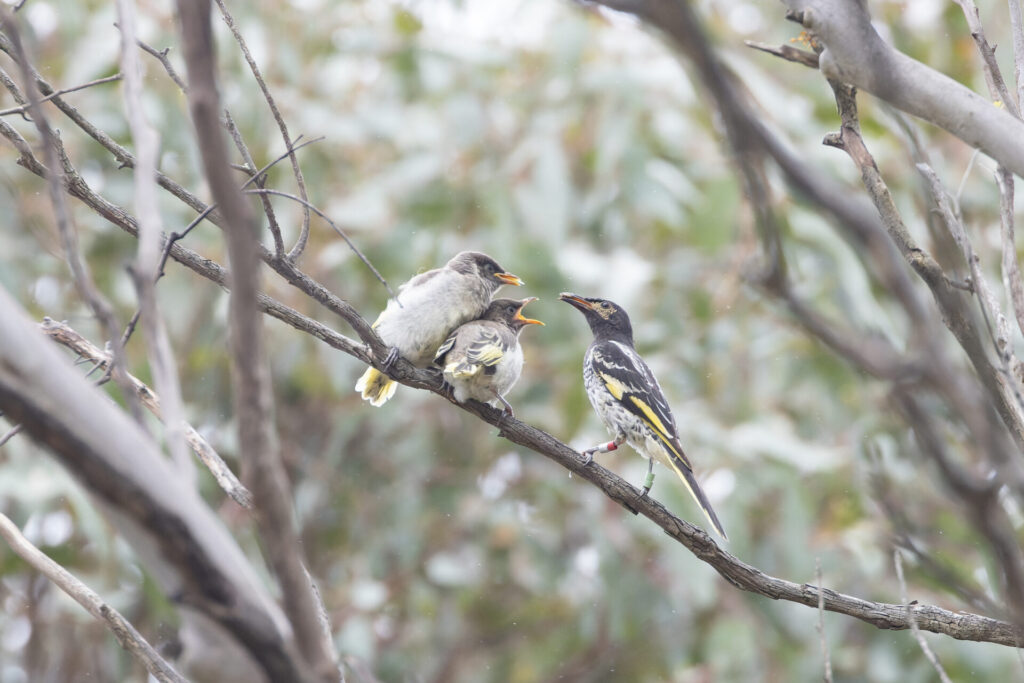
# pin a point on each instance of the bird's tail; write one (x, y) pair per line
(376, 387)
(461, 370)
(686, 474)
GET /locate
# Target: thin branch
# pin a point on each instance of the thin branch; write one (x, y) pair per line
(1017, 31)
(910, 607)
(25, 107)
(825, 656)
(250, 372)
(989, 65)
(126, 634)
(300, 243)
(787, 52)
(260, 180)
(344, 236)
(11, 433)
(1011, 268)
(52, 151)
(226, 479)
(161, 56)
(147, 263)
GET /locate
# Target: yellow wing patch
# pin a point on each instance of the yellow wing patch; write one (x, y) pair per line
(614, 386)
(488, 354)
(651, 416)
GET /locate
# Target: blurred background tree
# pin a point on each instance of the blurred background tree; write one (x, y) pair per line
(576, 147)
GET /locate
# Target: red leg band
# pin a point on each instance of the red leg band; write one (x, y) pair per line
(611, 446)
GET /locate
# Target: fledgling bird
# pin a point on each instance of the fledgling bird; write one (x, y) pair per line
(428, 307)
(629, 400)
(482, 359)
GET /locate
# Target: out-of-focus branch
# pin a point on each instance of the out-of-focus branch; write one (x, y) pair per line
(181, 541)
(989, 65)
(66, 336)
(260, 180)
(80, 274)
(300, 243)
(126, 634)
(1011, 268)
(251, 376)
(24, 108)
(855, 54)
(787, 52)
(147, 263)
(898, 561)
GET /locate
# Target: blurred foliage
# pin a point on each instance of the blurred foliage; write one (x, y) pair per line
(572, 145)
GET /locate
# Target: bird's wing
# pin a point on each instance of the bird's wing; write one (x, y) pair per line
(488, 346)
(447, 346)
(632, 384)
(420, 279)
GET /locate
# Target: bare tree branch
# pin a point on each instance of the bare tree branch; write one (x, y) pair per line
(126, 634)
(918, 636)
(787, 52)
(25, 107)
(300, 243)
(251, 377)
(147, 264)
(181, 541)
(825, 656)
(66, 336)
(855, 54)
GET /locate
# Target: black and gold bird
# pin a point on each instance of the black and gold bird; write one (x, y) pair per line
(482, 359)
(428, 307)
(628, 399)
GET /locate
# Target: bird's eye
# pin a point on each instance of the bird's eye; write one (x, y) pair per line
(604, 304)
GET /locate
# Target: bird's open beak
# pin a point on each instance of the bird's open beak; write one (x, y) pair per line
(509, 279)
(576, 301)
(524, 320)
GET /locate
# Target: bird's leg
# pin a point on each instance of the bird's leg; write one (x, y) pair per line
(649, 480)
(389, 360)
(603, 448)
(508, 412)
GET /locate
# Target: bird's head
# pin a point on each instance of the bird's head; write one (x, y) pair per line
(510, 312)
(605, 318)
(484, 267)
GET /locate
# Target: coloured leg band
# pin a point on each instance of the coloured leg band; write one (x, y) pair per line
(649, 481)
(611, 446)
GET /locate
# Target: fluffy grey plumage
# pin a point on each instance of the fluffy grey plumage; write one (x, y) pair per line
(628, 399)
(428, 307)
(482, 359)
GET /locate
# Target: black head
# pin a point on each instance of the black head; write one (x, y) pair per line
(606, 318)
(510, 312)
(474, 262)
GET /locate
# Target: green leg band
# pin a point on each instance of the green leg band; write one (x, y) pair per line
(649, 481)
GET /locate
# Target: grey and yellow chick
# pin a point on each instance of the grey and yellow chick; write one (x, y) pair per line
(483, 359)
(428, 307)
(628, 399)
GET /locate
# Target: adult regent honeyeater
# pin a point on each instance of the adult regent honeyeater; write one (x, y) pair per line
(628, 398)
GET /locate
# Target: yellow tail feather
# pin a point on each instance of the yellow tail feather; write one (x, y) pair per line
(682, 468)
(376, 387)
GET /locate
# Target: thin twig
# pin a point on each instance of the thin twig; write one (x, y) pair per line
(147, 263)
(1011, 268)
(126, 634)
(260, 180)
(825, 655)
(23, 108)
(161, 55)
(11, 433)
(1017, 31)
(300, 243)
(910, 607)
(53, 150)
(67, 336)
(787, 52)
(989, 65)
(334, 225)
(262, 466)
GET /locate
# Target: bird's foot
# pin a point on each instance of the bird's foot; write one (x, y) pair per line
(390, 359)
(588, 456)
